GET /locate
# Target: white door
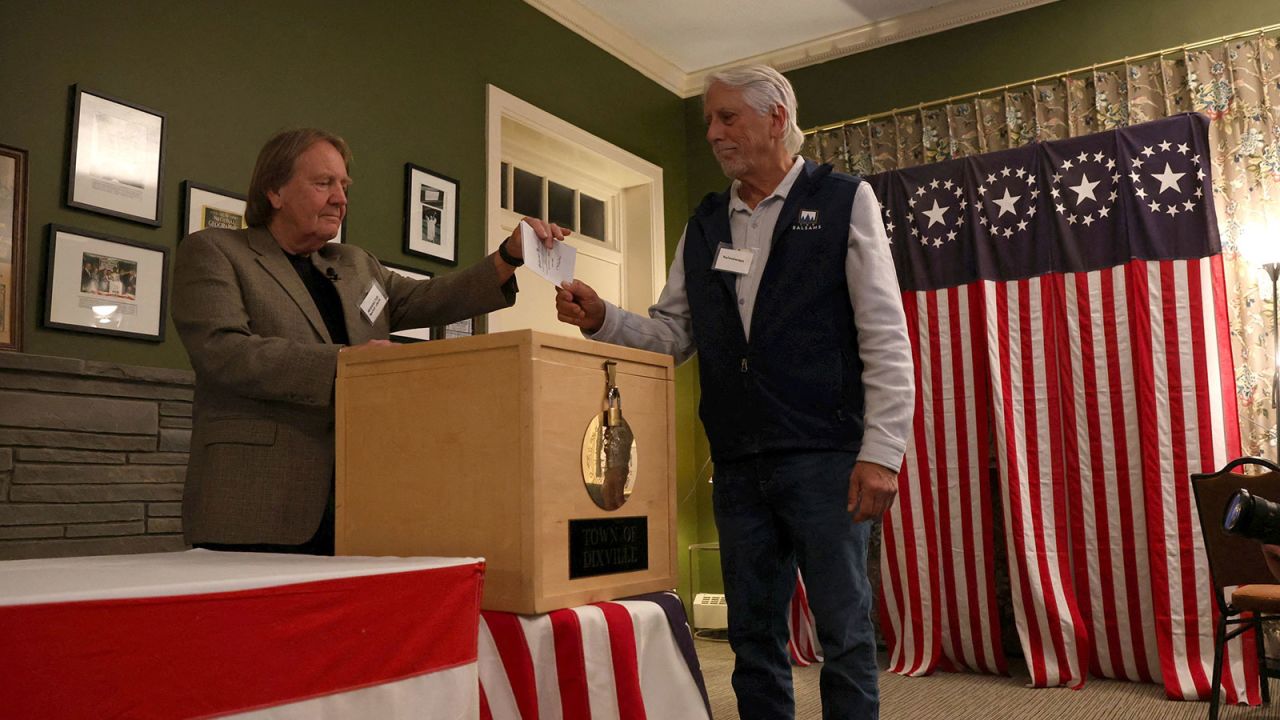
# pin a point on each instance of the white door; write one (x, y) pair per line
(540, 165)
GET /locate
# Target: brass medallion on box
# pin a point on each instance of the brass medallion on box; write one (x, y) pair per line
(609, 450)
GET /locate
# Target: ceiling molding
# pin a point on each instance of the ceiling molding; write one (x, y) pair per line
(626, 48)
(613, 40)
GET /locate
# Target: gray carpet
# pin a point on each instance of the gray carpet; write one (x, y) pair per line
(965, 696)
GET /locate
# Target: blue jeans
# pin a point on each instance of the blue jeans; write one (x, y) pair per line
(772, 512)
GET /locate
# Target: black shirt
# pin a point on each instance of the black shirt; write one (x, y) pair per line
(325, 296)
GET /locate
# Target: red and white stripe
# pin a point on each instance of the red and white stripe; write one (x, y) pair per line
(909, 608)
(1187, 424)
(607, 661)
(204, 634)
(937, 580)
(971, 626)
(802, 643)
(1026, 407)
(1108, 517)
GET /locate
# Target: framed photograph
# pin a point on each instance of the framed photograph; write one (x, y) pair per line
(13, 233)
(108, 285)
(462, 328)
(430, 214)
(117, 158)
(416, 334)
(411, 273)
(209, 207)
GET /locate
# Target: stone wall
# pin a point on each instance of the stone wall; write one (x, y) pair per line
(92, 456)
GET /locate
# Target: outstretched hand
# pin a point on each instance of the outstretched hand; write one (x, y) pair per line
(578, 304)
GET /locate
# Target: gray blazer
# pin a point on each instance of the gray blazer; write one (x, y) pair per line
(262, 445)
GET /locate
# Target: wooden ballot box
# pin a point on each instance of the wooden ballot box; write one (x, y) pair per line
(474, 447)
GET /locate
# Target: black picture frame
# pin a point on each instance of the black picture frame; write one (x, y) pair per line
(415, 334)
(116, 158)
(88, 287)
(430, 214)
(205, 206)
(410, 272)
(13, 240)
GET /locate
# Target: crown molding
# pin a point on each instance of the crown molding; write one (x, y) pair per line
(640, 57)
(617, 43)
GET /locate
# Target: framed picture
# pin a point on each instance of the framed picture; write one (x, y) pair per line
(430, 214)
(13, 233)
(416, 334)
(101, 284)
(209, 207)
(117, 158)
(462, 328)
(411, 273)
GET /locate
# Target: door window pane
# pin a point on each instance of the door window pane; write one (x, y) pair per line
(560, 205)
(527, 193)
(503, 201)
(592, 214)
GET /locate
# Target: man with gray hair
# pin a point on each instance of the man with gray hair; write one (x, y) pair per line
(263, 313)
(785, 288)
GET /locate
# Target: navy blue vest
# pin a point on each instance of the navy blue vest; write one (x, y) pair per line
(798, 384)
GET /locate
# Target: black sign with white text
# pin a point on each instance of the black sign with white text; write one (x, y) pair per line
(607, 546)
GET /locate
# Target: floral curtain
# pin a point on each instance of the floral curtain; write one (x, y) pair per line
(1236, 83)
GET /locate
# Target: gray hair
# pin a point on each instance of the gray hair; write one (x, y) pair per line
(763, 88)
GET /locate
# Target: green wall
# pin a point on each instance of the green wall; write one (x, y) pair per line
(1049, 39)
(405, 82)
(401, 81)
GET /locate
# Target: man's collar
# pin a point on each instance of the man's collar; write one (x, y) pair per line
(737, 204)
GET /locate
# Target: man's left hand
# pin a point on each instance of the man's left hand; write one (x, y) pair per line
(872, 489)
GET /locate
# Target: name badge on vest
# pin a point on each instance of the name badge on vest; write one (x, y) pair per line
(375, 301)
(737, 262)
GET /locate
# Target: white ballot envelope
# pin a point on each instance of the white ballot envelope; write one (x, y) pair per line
(555, 263)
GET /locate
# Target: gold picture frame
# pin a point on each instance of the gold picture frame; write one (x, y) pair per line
(13, 233)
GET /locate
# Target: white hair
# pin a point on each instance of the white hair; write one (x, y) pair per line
(763, 88)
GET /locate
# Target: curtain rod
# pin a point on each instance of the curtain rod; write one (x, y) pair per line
(1044, 78)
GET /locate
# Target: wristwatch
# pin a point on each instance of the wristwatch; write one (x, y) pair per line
(507, 257)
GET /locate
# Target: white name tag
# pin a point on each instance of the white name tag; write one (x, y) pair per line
(374, 302)
(737, 262)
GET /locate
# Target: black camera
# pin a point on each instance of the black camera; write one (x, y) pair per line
(1252, 517)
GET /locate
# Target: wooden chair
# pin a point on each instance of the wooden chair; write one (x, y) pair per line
(1238, 561)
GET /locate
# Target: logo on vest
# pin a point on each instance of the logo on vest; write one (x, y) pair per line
(808, 221)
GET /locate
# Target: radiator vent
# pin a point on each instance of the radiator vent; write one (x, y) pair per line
(710, 612)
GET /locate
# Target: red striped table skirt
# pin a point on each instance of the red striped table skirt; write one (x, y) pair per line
(203, 634)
